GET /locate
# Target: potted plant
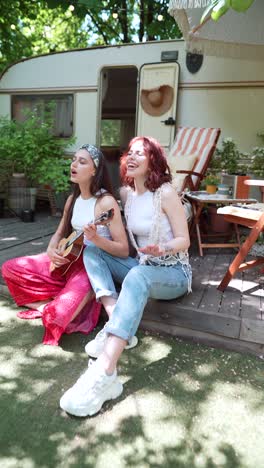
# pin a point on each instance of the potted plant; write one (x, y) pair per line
(257, 164)
(216, 221)
(29, 147)
(211, 181)
(229, 161)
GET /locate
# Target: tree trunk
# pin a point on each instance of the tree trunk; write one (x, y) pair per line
(124, 21)
(150, 18)
(142, 21)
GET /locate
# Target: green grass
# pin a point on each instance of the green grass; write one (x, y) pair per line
(183, 405)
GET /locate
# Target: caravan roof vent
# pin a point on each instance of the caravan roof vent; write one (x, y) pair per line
(169, 55)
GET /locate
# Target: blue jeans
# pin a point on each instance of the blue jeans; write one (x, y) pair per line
(140, 282)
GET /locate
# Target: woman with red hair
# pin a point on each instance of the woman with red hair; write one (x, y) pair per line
(158, 230)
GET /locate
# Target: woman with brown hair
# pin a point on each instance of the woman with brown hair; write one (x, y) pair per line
(66, 302)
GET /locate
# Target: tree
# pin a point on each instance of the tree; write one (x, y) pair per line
(30, 28)
(135, 21)
(13, 44)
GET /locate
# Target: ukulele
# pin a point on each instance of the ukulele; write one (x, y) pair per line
(71, 247)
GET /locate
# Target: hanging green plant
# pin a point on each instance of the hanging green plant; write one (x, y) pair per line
(217, 8)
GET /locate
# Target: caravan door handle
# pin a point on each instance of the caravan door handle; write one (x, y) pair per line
(169, 121)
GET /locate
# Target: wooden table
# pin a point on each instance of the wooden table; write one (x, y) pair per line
(198, 201)
(256, 183)
(252, 219)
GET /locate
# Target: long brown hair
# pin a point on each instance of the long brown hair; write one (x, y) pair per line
(100, 186)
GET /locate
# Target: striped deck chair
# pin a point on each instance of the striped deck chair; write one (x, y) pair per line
(191, 154)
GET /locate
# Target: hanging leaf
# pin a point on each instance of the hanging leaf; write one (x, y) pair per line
(220, 9)
(208, 10)
(241, 5)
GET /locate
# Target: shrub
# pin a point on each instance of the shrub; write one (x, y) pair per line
(31, 148)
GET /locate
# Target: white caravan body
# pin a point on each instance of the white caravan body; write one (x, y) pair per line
(106, 83)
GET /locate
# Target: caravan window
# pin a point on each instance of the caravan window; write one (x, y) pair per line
(63, 110)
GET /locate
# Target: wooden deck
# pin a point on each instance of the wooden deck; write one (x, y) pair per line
(232, 320)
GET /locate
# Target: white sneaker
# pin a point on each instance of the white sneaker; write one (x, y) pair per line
(95, 347)
(90, 392)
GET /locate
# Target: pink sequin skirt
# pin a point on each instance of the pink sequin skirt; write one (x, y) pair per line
(29, 280)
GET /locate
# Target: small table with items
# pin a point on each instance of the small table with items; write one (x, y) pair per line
(199, 200)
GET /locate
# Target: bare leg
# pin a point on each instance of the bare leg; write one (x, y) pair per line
(109, 304)
(37, 305)
(41, 304)
(112, 351)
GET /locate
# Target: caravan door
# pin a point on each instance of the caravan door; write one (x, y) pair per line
(157, 101)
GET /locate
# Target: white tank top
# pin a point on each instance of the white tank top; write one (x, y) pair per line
(147, 224)
(140, 219)
(83, 213)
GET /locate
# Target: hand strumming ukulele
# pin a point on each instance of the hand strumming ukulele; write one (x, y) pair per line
(71, 247)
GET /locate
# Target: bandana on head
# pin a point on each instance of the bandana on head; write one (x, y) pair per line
(94, 152)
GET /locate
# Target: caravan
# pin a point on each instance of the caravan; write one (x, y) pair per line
(101, 94)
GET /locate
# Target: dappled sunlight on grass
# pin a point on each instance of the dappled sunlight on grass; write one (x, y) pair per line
(153, 350)
(204, 370)
(226, 410)
(12, 462)
(183, 405)
(188, 383)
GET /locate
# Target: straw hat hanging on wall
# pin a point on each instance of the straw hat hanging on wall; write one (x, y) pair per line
(157, 101)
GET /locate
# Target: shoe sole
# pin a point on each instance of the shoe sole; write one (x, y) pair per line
(113, 392)
(92, 354)
(133, 343)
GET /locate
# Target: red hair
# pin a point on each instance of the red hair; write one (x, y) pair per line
(159, 171)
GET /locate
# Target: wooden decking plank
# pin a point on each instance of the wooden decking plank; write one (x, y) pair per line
(231, 298)
(252, 330)
(251, 297)
(40, 218)
(204, 338)
(21, 235)
(39, 221)
(194, 316)
(251, 307)
(188, 317)
(29, 248)
(201, 269)
(26, 229)
(4, 222)
(211, 297)
(231, 302)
